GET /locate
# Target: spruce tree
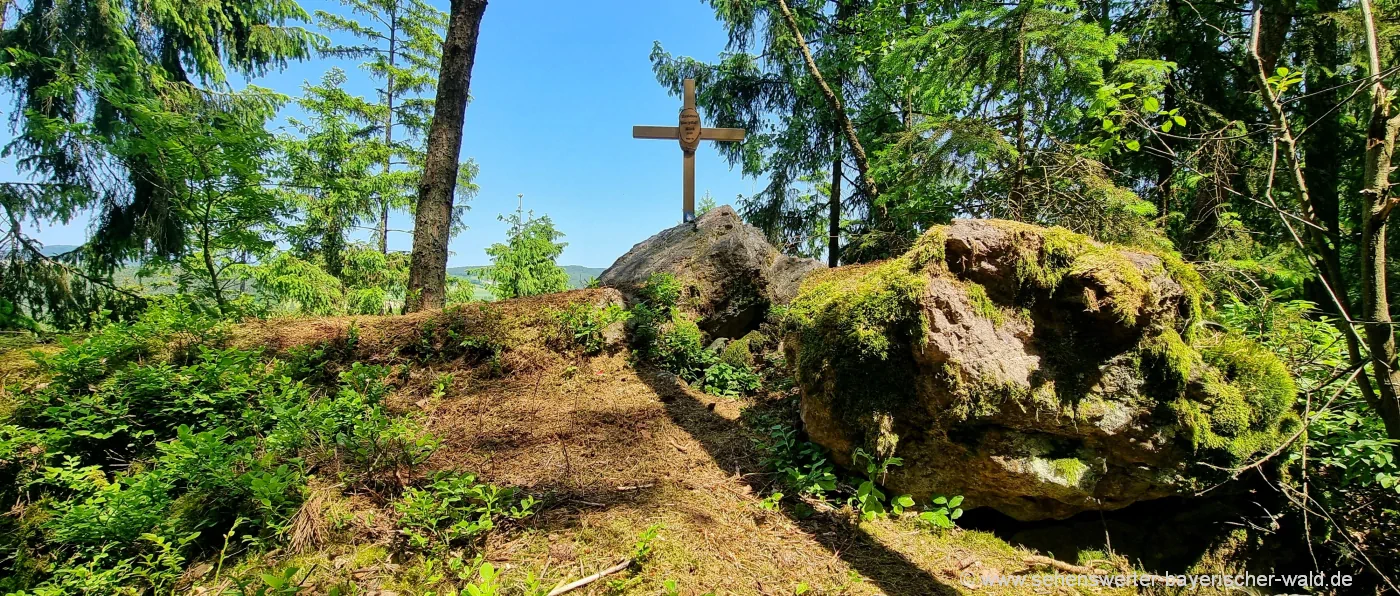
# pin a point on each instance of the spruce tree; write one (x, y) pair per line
(525, 265)
(331, 168)
(401, 42)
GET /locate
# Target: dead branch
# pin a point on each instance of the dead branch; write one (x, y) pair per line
(566, 588)
(1043, 561)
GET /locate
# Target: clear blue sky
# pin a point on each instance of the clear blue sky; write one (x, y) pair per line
(557, 86)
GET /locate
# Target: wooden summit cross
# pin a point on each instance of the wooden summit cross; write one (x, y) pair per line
(689, 133)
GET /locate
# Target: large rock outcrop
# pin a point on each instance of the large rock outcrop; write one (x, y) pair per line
(730, 273)
(1031, 370)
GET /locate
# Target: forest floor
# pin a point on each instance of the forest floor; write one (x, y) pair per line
(613, 448)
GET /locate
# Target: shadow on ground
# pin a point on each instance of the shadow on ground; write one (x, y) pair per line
(728, 444)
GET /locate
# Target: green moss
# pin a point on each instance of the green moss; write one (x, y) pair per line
(739, 353)
(1260, 375)
(1072, 469)
(1193, 288)
(1127, 289)
(855, 325)
(977, 295)
(979, 396)
(1231, 399)
(1168, 360)
(929, 249)
(1047, 255)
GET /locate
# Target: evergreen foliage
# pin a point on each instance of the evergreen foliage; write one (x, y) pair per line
(525, 265)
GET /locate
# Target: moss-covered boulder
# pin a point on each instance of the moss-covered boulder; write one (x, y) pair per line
(730, 274)
(1031, 370)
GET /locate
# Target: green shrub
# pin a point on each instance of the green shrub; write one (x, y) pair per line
(723, 379)
(456, 510)
(662, 291)
(581, 325)
(802, 465)
(152, 440)
(680, 348)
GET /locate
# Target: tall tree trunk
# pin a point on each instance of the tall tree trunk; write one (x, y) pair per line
(333, 245)
(834, 102)
(1381, 132)
(1018, 180)
(427, 272)
(389, 94)
(833, 240)
(1322, 147)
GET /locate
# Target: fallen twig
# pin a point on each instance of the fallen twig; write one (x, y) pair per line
(1033, 560)
(566, 588)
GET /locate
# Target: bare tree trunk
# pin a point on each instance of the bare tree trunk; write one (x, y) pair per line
(427, 272)
(857, 150)
(389, 93)
(1018, 181)
(1381, 132)
(833, 240)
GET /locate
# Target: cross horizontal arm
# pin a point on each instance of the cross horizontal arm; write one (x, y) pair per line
(722, 134)
(656, 132)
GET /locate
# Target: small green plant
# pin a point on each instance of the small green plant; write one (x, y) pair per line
(456, 510)
(771, 502)
(942, 512)
(641, 550)
(488, 583)
(581, 325)
(441, 384)
(801, 464)
(869, 500)
(726, 380)
(662, 291)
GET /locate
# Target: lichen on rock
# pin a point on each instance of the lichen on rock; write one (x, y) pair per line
(1030, 369)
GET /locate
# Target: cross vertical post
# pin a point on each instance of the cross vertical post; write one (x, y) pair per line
(689, 133)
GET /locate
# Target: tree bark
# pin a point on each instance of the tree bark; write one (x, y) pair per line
(389, 93)
(1018, 180)
(833, 101)
(1381, 132)
(427, 272)
(833, 240)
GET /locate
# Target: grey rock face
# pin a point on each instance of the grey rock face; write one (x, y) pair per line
(730, 273)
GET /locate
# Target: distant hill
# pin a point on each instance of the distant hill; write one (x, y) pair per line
(57, 249)
(578, 274)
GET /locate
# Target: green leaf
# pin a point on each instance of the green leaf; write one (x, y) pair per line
(1151, 104)
(1133, 145)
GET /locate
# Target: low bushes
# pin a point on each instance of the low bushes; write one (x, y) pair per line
(149, 442)
(664, 335)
